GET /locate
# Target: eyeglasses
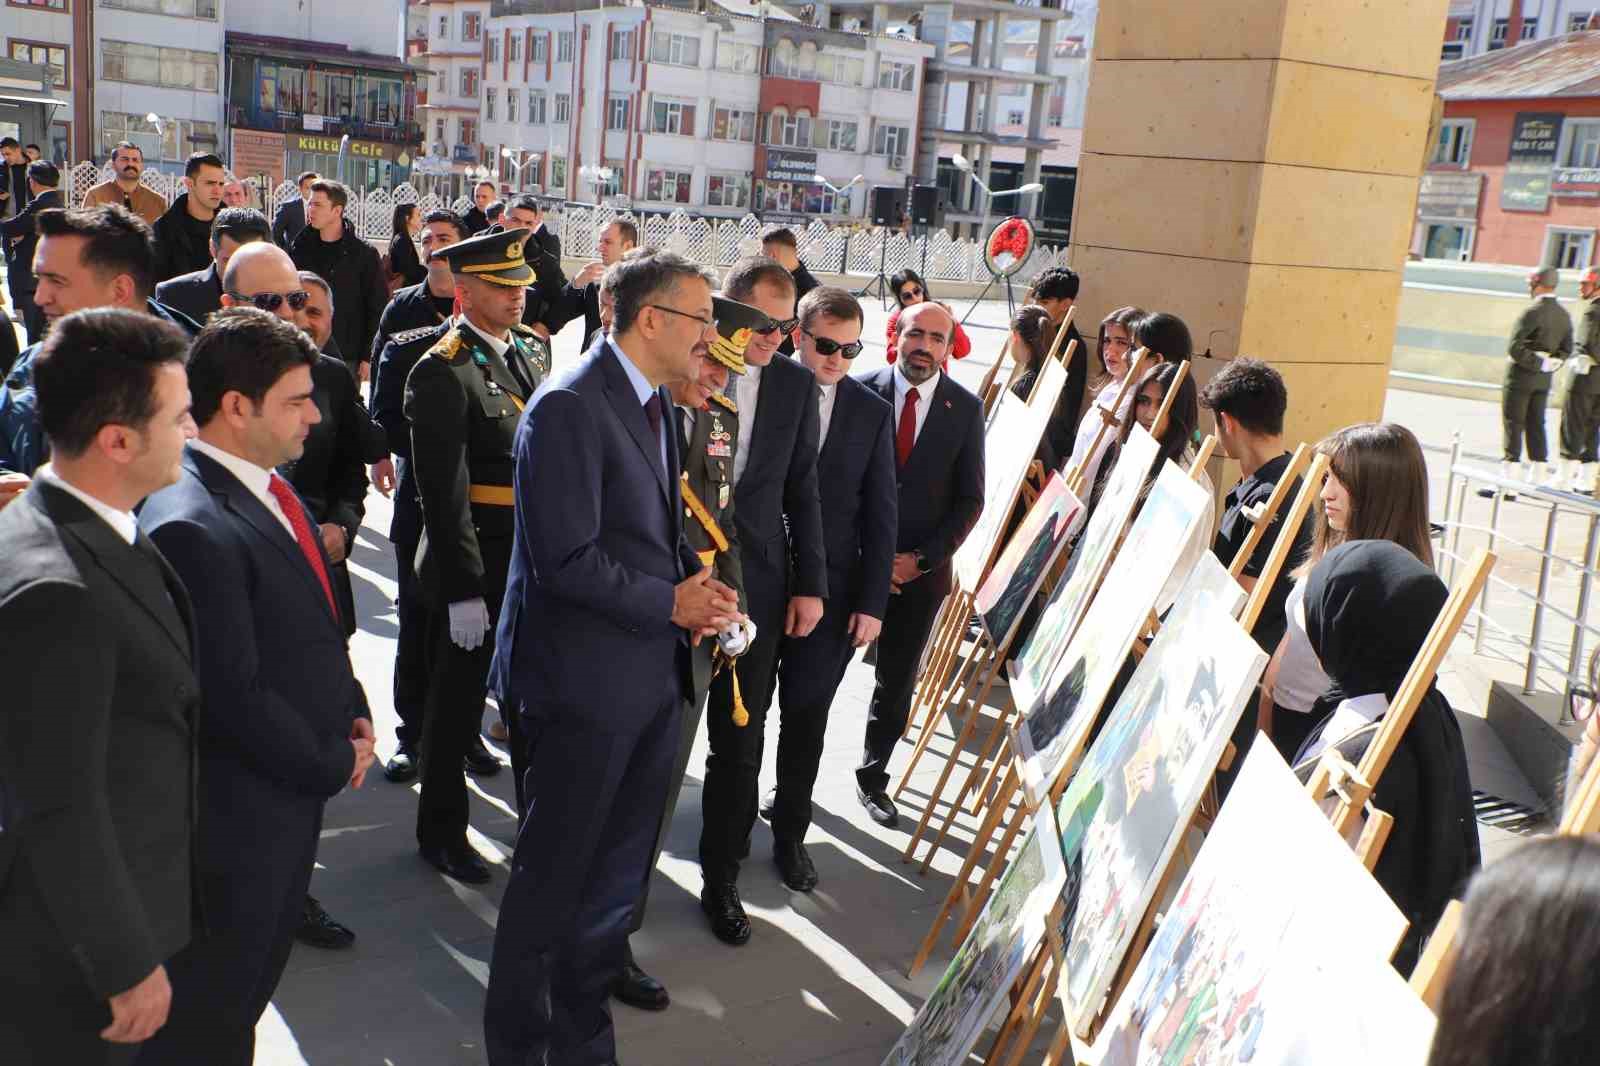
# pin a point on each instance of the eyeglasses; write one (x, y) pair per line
(1581, 701)
(708, 322)
(271, 301)
(912, 293)
(781, 325)
(830, 347)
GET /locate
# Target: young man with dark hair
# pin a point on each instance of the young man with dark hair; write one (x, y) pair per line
(183, 233)
(541, 232)
(97, 744)
(542, 310)
(785, 574)
(290, 218)
(123, 189)
(781, 244)
(199, 293)
(13, 178)
(331, 248)
(581, 298)
(20, 238)
(1056, 290)
(286, 722)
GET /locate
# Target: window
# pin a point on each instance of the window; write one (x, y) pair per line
(799, 197)
(622, 45)
(841, 70)
(1464, 29)
(1452, 50)
(471, 26)
(1578, 20)
(617, 113)
(512, 97)
(148, 64)
(1580, 143)
(899, 76)
(837, 134)
(806, 60)
(490, 98)
(535, 108)
(1530, 29)
(1447, 240)
(1455, 143)
(178, 138)
(493, 49)
(891, 140)
(558, 171)
(469, 81)
(667, 186)
(785, 62)
(733, 124)
(1568, 249)
(514, 48)
(46, 5)
(728, 190)
(538, 48)
(672, 116)
(1016, 117)
(564, 47)
(736, 57)
(189, 9)
(563, 108)
(611, 186)
(790, 130)
(438, 130)
(469, 131)
(53, 56)
(444, 27)
(675, 48)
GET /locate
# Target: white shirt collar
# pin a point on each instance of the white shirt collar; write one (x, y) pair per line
(641, 384)
(500, 347)
(257, 479)
(903, 386)
(827, 390)
(121, 522)
(1548, 296)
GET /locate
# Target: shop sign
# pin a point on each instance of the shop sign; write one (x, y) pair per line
(1449, 194)
(1535, 136)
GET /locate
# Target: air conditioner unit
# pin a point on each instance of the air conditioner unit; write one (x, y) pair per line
(897, 162)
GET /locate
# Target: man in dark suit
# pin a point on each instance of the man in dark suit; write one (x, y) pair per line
(601, 574)
(290, 218)
(785, 575)
(782, 245)
(856, 481)
(939, 462)
(581, 297)
(543, 311)
(98, 722)
(13, 177)
(287, 724)
(477, 217)
(199, 292)
(20, 238)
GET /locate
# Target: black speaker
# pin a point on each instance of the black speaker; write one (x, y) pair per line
(927, 205)
(888, 204)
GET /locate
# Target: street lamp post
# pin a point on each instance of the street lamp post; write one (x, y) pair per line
(838, 190)
(161, 131)
(963, 164)
(520, 160)
(596, 176)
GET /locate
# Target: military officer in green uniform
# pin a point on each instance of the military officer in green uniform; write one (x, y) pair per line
(707, 424)
(462, 400)
(1541, 341)
(1580, 414)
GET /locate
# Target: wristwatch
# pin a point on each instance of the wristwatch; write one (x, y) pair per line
(923, 566)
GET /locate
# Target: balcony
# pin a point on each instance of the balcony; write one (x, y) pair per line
(359, 129)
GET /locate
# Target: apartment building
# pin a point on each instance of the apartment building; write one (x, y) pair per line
(450, 89)
(716, 110)
(1475, 27)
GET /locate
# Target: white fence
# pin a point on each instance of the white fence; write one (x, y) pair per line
(714, 242)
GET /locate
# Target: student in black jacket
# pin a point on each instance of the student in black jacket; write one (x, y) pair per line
(183, 233)
(330, 247)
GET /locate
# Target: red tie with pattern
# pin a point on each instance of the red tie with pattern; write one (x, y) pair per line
(302, 534)
(907, 436)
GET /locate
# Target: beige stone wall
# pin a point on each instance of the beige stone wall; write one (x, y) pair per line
(1252, 167)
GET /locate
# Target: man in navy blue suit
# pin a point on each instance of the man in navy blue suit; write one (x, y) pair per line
(855, 479)
(603, 600)
(286, 722)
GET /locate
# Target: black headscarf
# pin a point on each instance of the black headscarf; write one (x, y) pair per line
(1369, 607)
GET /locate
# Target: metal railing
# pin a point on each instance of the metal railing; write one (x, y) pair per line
(1545, 663)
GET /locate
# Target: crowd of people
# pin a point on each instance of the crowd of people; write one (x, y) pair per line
(707, 495)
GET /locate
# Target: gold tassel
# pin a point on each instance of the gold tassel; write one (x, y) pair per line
(741, 717)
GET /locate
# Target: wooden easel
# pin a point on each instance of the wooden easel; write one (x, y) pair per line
(989, 394)
(1108, 420)
(1310, 488)
(1269, 510)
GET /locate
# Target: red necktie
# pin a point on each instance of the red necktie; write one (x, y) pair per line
(907, 436)
(302, 534)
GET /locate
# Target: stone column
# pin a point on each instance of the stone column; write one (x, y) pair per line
(1253, 169)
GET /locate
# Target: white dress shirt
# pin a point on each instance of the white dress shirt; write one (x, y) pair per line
(252, 477)
(121, 522)
(825, 398)
(642, 390)
(500, 347)
(924, 400)
(746, 392)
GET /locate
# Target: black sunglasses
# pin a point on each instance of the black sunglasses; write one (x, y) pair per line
(271, 301)
(830, 347)
(910, 293)
(782, 325)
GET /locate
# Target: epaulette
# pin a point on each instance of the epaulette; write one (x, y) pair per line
(406, 336)
(523, 328)
(726, 401)
(448, 347)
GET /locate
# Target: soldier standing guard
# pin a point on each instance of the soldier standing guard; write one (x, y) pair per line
(463, 400)
(707, 424)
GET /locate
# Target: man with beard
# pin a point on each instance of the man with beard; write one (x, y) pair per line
(939, 461)
(124, 190)
(183, 233)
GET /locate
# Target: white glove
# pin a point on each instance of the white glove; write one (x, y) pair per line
(1582, 364)
(1548, 363)
(469, 622)
(737, 638)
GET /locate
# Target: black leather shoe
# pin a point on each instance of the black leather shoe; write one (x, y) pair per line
(768, 802)
(480, 760)
(794, 865)
(879, 806)
(402, 765)
(460, 862)
(638, 989)
(720, 901)
(319, 929)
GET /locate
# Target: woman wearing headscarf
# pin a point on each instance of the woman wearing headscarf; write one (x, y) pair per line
(1370, 605)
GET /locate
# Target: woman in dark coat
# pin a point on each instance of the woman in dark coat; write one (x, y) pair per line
(403, 260)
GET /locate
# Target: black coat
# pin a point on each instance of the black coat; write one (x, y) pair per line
(404, 261)
(13, 181)
(475, 220)
(389, 373)
(183, 244)
(941, 485)
(360, 292)
(20, 255)
(409, 310)
(97, 765)
(197, 294)
(1061, 431)
(288, 221)
(331, 474)
(547, 296)
(856, 481)
(575, 303)
(780, 512)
